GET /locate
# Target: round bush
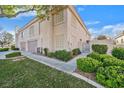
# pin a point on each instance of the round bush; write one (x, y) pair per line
(63, 55)
(88, 64)
(76, 51)
(118, 53)
(111, 76)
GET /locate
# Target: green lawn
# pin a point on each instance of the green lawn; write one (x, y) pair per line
(29, 73)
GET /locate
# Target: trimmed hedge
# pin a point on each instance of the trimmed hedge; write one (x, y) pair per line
(63, 55)
(88, 64)
(14, 48)
(118, 53)
(107, 59)
(113, 62)
(76, 51)
(13, 54)
(111, 76)
(51, 54)
(99, 57)
(101, 49)
(4, 49)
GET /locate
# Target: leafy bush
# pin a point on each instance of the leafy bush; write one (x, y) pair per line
(99, 57)
(51, 54)
(4, 49)
(76, 51)
(101, 49)
(14, 48)
(63, 55)
(88, 64)
(111, 76)
(118, 53)
(46, 50)
(113, 62)
(14, 54)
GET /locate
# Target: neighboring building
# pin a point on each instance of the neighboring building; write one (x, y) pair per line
(63, 30)
(119, 39)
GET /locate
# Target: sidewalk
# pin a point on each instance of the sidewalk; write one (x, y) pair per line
(65, 66)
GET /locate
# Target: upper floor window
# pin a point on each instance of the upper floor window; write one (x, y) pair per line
(59, 17)
(31, 31)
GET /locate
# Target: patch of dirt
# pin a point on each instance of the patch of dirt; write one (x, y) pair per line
(19, 58)
(88, 75)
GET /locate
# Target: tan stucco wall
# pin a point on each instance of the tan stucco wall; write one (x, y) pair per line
(75, 32)
(46, 38)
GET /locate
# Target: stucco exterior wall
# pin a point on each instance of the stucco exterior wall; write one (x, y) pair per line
(70, 33)
(76, 34)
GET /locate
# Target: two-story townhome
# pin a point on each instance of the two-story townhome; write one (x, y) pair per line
(63, 30)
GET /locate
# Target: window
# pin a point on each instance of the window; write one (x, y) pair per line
(59, 17)
(60, 41)
(31, 31)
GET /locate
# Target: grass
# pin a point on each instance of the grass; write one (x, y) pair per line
(28, 73)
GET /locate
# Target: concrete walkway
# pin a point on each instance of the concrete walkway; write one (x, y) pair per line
(69, 66)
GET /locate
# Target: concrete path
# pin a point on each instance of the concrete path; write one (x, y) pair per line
(65, 66)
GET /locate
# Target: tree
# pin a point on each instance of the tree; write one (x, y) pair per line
(101, 37)
(5, 39)
(41, 10)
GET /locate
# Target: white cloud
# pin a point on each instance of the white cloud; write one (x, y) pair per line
(92, 22)
(110, 30)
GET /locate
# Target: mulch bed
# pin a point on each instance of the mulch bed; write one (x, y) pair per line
(88, 75)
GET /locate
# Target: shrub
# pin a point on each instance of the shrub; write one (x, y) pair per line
(63, 55)
(94, 55)
(118, 53)
(88, 64)
(99, 57)
(14, 54)
(76, 51)
(51, 54)
(46, 51)
(4, 49)
(111, 76)
(14, 48)
(113, 62)
(101, 49)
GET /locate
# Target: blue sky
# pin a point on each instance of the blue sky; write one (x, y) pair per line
(108, 20)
